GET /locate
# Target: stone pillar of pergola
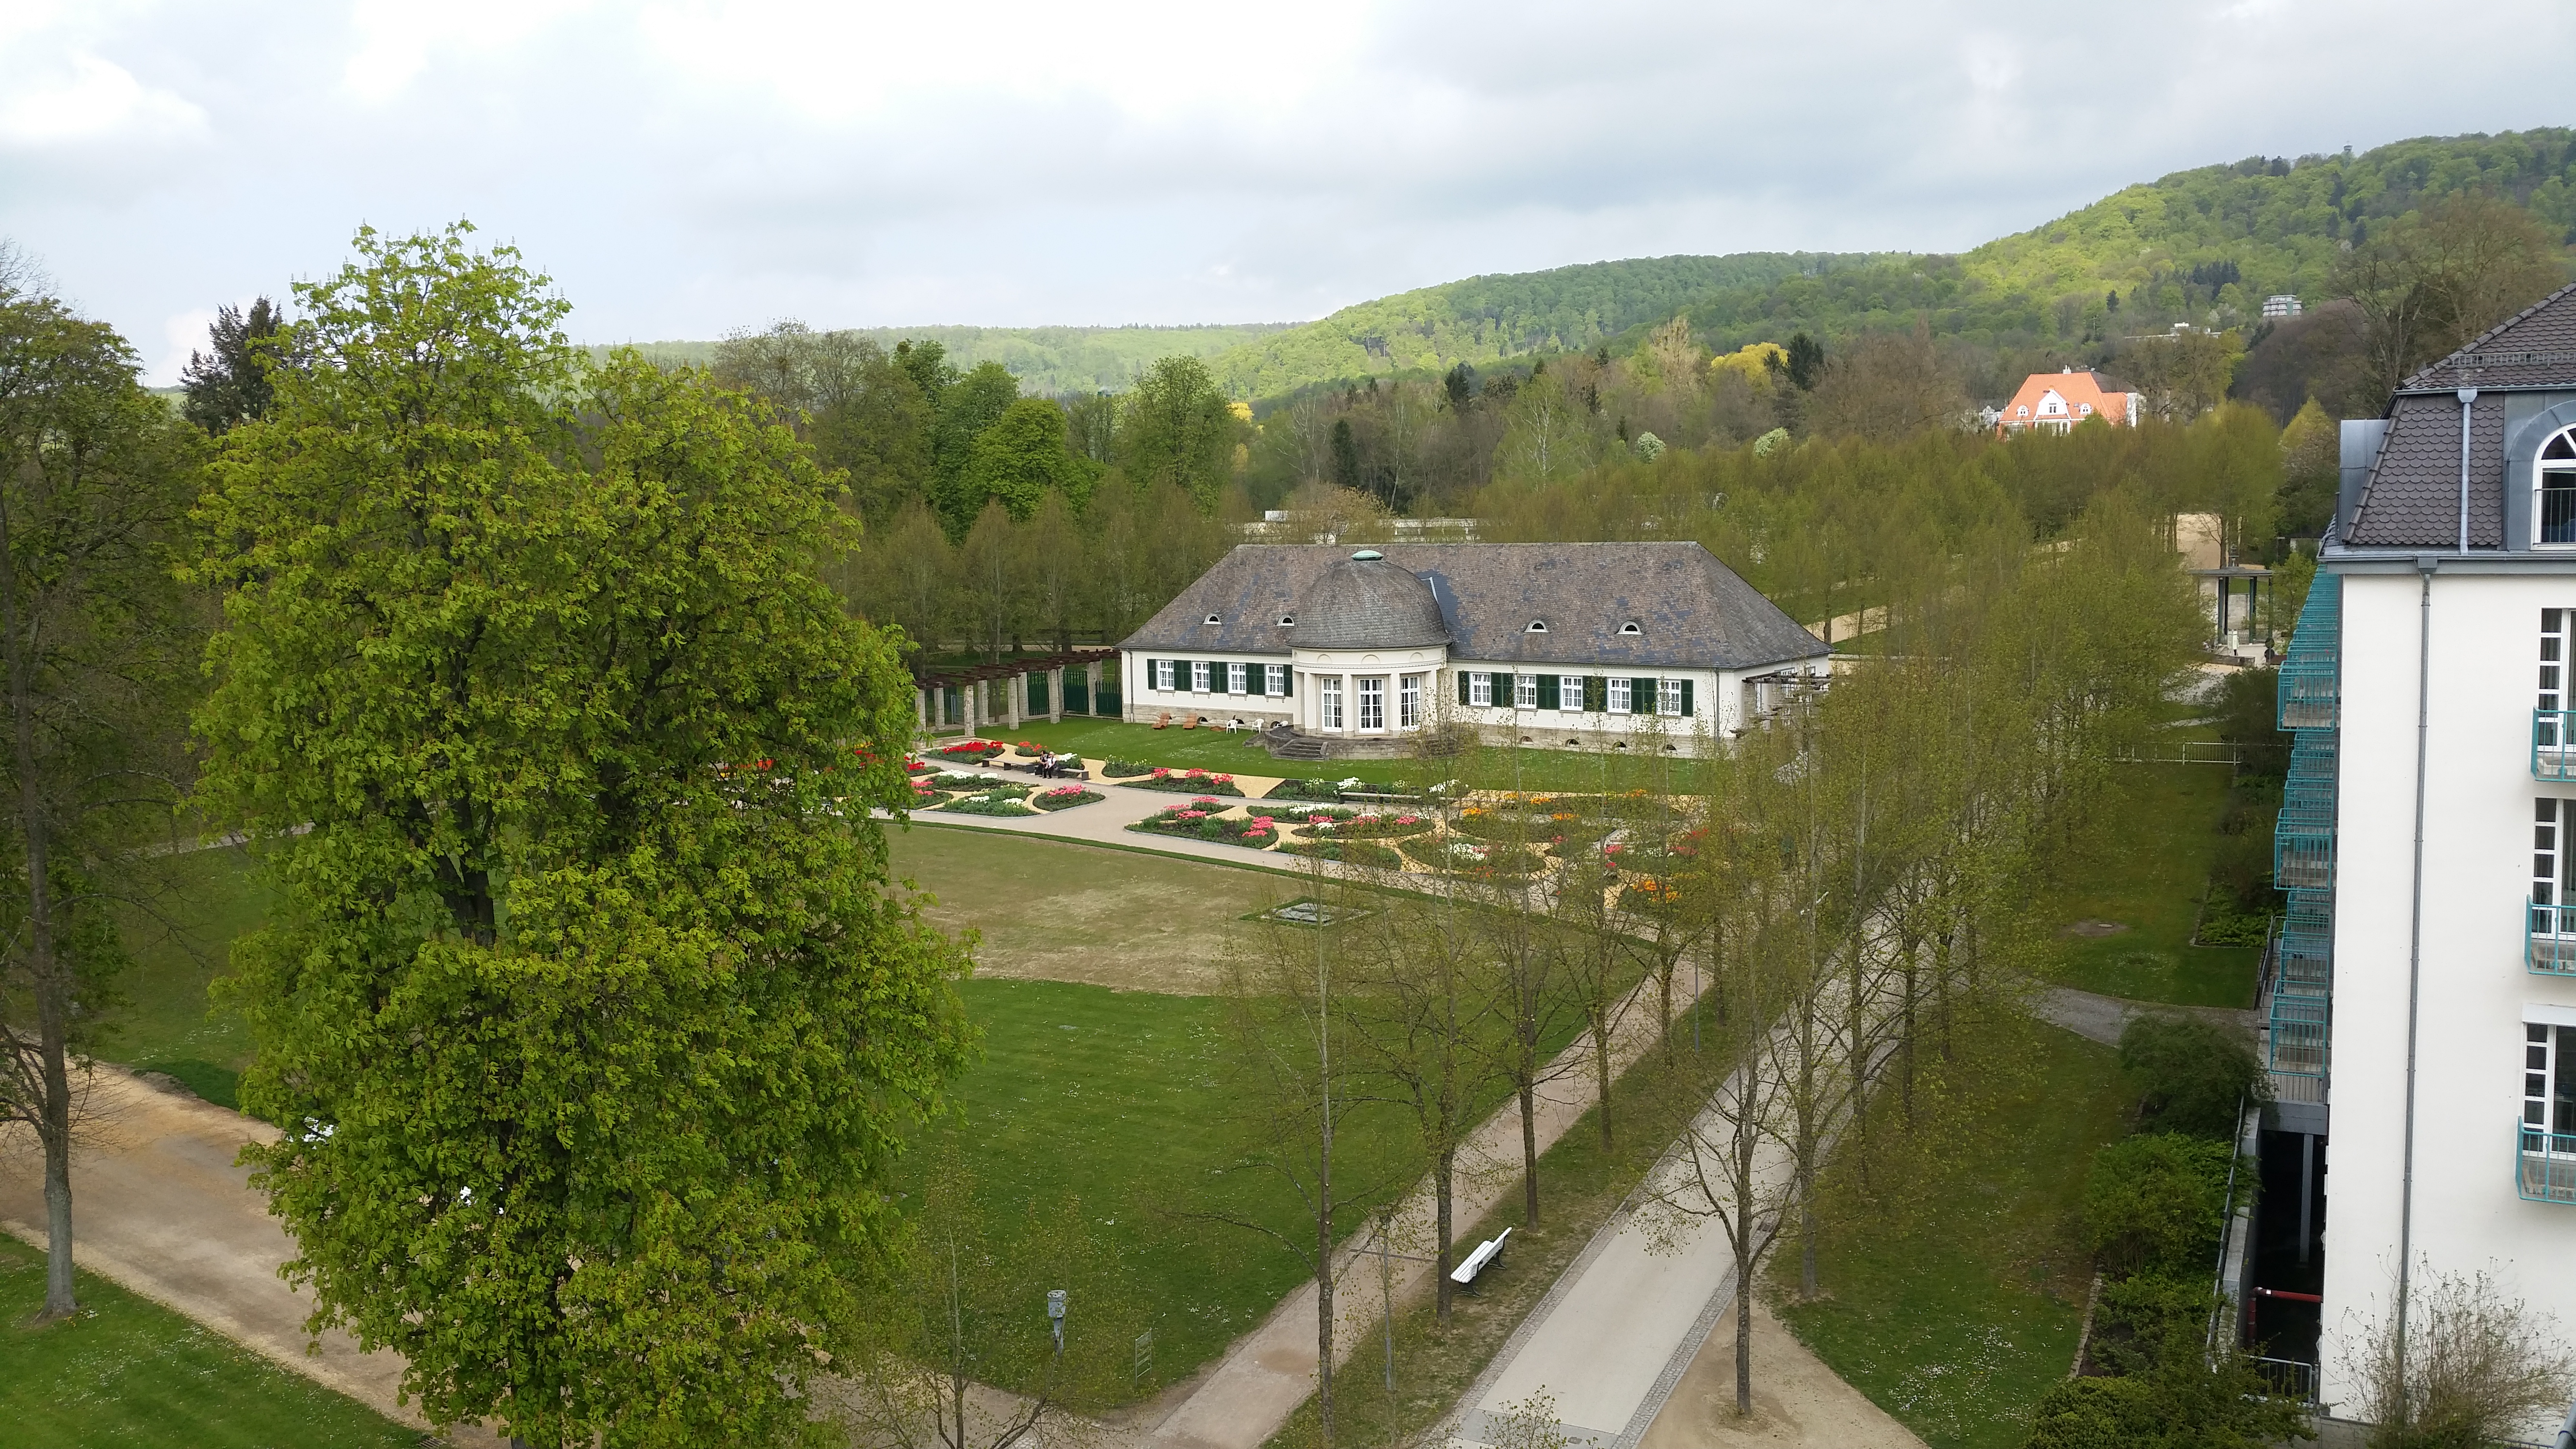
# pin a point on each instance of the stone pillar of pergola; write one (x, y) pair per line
(1015, 690)
(1055, 695)
(967, 702)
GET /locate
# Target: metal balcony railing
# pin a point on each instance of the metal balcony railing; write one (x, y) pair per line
(2553, 744)
(2308, 691)
(2549, 939)
(2544, 1164)
(2303, 857)
(2298, 1045)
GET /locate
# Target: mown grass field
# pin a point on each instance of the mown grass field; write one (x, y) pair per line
(1955, 1274)
(2149, 875)
(179, 944)
(129, 1372)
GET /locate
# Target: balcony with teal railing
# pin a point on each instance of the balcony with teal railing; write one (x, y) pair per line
(2548, 938)
(2544, 1163)
(2297, 1046)
(2553, 744)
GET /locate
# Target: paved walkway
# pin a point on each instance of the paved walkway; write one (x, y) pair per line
(158, 1208)
(2096, 1017)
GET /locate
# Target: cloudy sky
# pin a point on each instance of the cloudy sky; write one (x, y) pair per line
(689, 166)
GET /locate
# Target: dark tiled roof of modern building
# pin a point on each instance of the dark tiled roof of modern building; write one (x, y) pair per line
(2535, 347)
(2412, 497)
(1690, 609)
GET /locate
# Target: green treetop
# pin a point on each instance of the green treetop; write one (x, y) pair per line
(586, 1003)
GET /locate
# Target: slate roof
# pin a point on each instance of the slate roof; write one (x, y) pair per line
(2535, 347)
(1366, 602)
(2412, 497)
(1691, 610)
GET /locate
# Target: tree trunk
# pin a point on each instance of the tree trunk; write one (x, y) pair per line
(53, 1006)
(1743, 1331)
(1529, 1150)
(1443, 1187)
(1601, 1071)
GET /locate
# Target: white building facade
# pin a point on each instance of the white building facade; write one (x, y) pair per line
(1619, 646)
(2449, 1067)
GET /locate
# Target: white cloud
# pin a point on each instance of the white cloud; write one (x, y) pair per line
(81, 97)
(682, 166)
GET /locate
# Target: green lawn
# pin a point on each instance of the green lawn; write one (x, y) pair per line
(178, 947)
(1236, 753)
(130, 1372)
(1956, 1278)
(2151, 867)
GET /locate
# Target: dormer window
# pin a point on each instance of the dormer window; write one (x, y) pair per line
(1213, 619)
(1630, 628)
(1287, 621)
(1537, 626)
(2022, 411)
(2085, 408)
(2557, 485)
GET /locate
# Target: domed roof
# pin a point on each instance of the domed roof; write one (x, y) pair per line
(1365, 602)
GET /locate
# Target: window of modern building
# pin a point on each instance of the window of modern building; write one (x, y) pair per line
(2553, 868)
(1525, 691)
(1408, 702)
(1275, 680)
(1198, 676)
(2548, 1087)
(1668, 696)
(1163, 669)
(1372, 704)
(1480, 689)
(1569, 693)
(2556, 482)
(1618, 695)
(1238, 679)
(1331, 702)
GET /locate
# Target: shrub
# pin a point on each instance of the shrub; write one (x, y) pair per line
(1064, 797)
(2190, 1076)
(2187, 1403)
(2479, 1365)
(1116, 766)
(2142, 1313)
(1349, 852)
(2157, 1202)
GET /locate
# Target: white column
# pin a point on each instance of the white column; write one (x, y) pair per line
(1350, 707)
(1015, 688)
(1055, 695)
(966, 705)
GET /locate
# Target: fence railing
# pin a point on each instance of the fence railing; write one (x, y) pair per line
(2549, 939)
(2553, 744)
(2544, 1164)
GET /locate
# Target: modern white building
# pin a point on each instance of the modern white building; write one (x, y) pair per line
(1336, 652)
(2426, 992)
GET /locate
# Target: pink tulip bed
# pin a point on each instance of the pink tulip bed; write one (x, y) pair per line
(1064, 797)
(1200, 820)
(1347, 824)
(1349, 852)
(1188, 782)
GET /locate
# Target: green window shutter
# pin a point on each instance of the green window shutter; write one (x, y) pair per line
(1547, 691)
(1462, 686)
(1686, 698)
(1641, 696)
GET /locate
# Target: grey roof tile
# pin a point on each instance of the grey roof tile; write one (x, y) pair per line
(2412, 497)
(1691, 610)
(2535, 347)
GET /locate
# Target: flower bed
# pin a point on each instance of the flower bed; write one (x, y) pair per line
(1677, 854)
(1324, 790)
(1025, 750)
(1476, 857)
(918, 767)
(996, 803)
(969, 751)
(1116, 767)
(1064, 797)
(1190, 782)
(1200, 820)
(978, 784)
(1361, 824)
(1543, 825)
(1348, 852)
(927, 799)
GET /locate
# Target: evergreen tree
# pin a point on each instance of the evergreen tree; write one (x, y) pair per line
(231, 384)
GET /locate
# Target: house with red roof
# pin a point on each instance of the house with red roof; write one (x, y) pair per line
(2057, 401)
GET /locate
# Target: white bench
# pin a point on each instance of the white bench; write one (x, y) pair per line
(1486, 1255)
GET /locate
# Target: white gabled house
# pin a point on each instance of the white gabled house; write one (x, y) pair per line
(1335, 652)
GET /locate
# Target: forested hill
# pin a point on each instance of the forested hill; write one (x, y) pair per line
(1046, 360)
(2215, 240)
(1485, 319)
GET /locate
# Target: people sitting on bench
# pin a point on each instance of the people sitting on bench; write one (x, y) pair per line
(1487, 1254)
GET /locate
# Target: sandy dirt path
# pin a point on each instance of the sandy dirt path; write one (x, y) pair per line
(159, 1208)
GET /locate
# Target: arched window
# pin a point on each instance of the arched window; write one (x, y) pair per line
(2557, 485)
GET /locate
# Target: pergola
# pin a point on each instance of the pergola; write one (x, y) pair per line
(973, 712)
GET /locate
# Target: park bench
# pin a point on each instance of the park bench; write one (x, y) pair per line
(1487, 1254)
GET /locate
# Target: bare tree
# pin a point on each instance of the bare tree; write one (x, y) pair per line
(2471, 1365)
